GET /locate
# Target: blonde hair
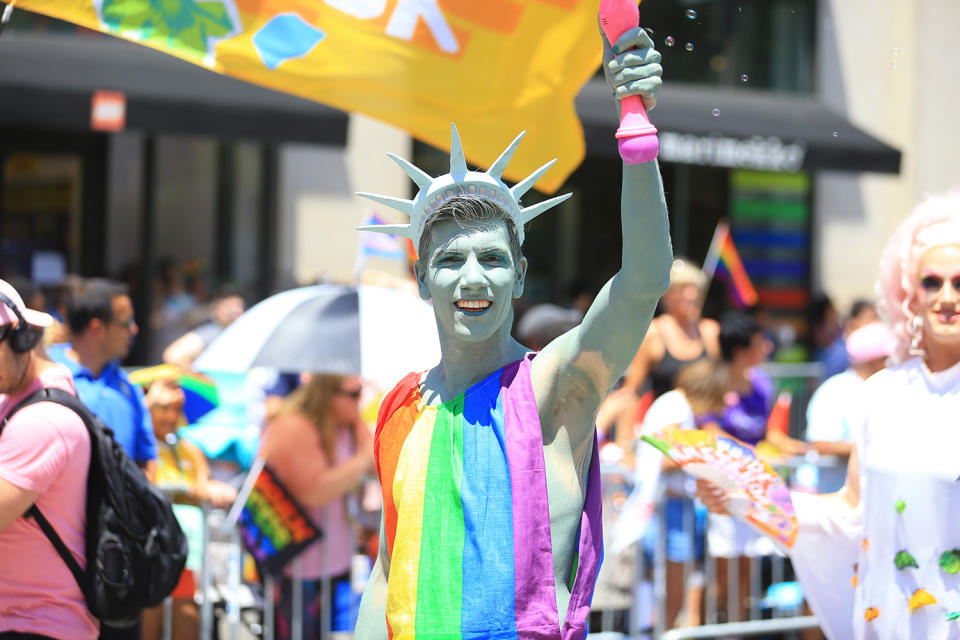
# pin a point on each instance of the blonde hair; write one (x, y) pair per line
(704, 383)
(313, 400)
(685, 271)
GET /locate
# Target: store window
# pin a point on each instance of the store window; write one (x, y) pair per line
(755, 44)
(41, 215)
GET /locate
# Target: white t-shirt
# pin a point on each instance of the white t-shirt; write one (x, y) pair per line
(835, 411)
(909, 453)
(669, 410)
(835, 407)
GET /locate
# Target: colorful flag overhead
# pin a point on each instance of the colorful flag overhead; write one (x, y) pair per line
(494, 67)
(723, 258)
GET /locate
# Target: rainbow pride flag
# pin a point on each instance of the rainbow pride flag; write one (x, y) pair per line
(274, 528)
(467, 519)
(723, 258)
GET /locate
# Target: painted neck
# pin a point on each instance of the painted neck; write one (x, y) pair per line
(464, 363)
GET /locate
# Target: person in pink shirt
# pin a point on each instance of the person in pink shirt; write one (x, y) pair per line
(44, 458)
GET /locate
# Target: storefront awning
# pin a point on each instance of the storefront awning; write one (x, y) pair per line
(742, 128)
(47, 82)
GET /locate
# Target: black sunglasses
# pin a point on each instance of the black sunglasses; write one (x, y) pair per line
(932, 283)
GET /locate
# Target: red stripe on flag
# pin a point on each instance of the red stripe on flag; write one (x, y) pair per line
(792, 298)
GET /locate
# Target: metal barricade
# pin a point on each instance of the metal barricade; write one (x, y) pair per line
(646, 617)
(801, 380)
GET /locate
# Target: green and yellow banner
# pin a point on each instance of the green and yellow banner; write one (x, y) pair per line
(494, 67)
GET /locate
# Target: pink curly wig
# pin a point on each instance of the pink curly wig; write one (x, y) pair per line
(898, 281)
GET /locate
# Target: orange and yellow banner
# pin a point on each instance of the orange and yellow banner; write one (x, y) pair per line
(494, 67)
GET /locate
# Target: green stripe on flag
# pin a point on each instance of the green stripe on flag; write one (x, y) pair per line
(440, 587)
(751, 209)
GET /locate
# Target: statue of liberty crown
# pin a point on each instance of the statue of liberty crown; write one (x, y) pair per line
(459, 182)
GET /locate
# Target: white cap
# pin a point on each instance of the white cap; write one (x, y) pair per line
(32, 317)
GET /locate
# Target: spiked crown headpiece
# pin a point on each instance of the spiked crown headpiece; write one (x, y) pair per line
(459, 182)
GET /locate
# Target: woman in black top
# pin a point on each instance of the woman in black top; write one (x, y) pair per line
(676, 337)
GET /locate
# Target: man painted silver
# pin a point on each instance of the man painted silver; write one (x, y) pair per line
(471, 267)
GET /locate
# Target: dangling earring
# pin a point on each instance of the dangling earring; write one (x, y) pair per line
(915, 329)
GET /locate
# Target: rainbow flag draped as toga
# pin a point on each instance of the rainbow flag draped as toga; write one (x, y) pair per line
(467, 520)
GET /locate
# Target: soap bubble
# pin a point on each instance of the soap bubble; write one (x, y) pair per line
(744, 78)
(689, 46)
(669, 41)
(691, 14)
(716, 113)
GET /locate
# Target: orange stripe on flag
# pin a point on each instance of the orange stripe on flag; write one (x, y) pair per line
(563, 4)
(496, 15)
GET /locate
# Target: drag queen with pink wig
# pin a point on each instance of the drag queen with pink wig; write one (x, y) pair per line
(881, 558)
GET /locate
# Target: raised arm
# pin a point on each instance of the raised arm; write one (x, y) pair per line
(575, 371)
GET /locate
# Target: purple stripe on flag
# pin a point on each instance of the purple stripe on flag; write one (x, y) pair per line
(591, 554)
(536, 602)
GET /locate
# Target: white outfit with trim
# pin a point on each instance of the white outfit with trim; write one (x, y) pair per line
(909, 456)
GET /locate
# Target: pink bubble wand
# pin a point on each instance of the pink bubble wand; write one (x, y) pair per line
(636, 137)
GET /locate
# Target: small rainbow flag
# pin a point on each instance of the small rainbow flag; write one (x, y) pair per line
(274, 528)
(723, 257)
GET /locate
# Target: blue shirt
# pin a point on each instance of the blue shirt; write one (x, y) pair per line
(835, 359)
(116, 401)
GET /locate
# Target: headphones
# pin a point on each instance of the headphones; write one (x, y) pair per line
(23, 337)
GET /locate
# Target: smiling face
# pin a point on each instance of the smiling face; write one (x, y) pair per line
(937, 300)
(472, 276)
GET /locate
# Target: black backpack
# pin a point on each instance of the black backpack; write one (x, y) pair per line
(135, 548)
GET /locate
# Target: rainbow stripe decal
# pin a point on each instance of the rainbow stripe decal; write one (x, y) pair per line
(467, 517)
